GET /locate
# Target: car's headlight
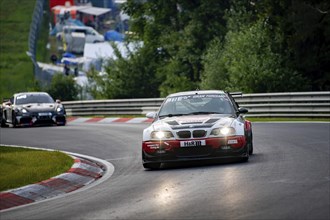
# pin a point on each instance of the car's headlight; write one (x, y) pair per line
(21, 111)
(225, 131)
(161, 135)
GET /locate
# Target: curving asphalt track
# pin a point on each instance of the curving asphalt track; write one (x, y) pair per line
(287, 177)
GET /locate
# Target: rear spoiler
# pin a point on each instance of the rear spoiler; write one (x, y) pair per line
(236, 94)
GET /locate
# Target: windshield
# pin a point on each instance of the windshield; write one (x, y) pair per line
(33, 98)
(196, 104)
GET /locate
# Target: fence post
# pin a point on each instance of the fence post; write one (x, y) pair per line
(33, 36)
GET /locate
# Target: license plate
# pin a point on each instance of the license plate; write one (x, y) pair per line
(192, 143)
(44, 114)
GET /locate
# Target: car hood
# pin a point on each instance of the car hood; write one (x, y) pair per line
(194, 121)
(37, 107)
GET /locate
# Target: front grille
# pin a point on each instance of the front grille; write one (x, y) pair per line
(44, 117)
(184, 134)
(25, 120)
(195, 134)
(193, 152)
(199, 133)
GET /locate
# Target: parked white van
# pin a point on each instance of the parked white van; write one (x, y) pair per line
(91, 35)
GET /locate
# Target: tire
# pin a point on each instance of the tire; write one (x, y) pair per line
(3, 123)
(61, 124)
(14, 121)
(250, 142)
(245, 159)
(247, 152)
(152, 166)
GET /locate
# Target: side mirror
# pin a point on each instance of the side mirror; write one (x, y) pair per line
(242, 111)
(58, 101)
(151, 115)
(7, 102)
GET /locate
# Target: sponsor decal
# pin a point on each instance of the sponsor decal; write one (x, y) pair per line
(232, 141)
(196, 143)
(21, 97)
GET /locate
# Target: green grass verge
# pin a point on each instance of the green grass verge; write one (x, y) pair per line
(16, 68)
(22, 166)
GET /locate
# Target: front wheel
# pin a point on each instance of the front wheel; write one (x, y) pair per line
(3, 123)
(14, 121)
(247, 153)
(251, 144)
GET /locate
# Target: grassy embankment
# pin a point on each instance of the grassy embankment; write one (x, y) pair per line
(22, 166)
(16, 68)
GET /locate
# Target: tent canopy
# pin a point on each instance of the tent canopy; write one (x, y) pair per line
(114, 36)
(94, 10)
(104, 50)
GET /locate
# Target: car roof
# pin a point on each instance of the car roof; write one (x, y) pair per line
(197, 92)
(31, 93)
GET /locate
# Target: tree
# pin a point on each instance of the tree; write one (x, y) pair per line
(131, 77)
(250, 58)
(253, 46)
(63, 87)
(215, 75)
(181, 30)
(309, 41)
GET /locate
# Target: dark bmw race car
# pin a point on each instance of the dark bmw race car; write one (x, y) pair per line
(196, 125)
(32, 108)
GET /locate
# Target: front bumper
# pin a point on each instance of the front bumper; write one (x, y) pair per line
(36, 119)
(215, 148)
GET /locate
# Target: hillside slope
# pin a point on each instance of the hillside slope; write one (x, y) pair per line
(16, 69)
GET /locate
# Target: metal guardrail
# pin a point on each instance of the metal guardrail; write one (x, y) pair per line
(295, 104)
(35, 26)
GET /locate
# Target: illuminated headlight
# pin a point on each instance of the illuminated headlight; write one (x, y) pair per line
(161, 135)
(225, 131)
(20, 111)
(59, 109)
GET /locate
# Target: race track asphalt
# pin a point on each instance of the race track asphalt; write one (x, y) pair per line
(287, 177)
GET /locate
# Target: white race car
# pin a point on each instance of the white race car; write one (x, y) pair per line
(196, 125)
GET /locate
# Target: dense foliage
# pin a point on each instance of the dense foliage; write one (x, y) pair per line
(251, 46)
(63, 87)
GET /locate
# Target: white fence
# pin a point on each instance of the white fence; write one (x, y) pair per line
(295, 104)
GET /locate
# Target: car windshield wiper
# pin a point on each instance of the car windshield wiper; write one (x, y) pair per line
(171, 115)
(203, 113)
